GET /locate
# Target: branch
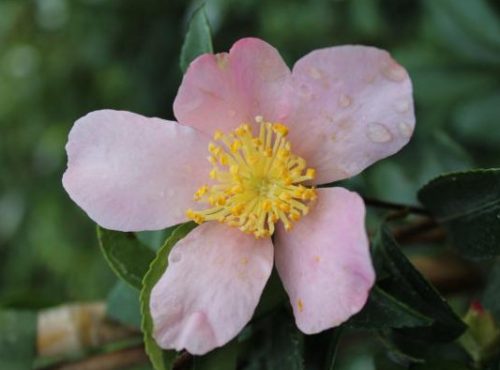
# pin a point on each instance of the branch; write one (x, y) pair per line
(372, 202)
(75, 327)
(449, 273)
(108, 361)
(424, 230)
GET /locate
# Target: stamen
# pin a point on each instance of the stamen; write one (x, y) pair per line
(258, 180)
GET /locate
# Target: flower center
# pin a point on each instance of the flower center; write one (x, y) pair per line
(257, 180)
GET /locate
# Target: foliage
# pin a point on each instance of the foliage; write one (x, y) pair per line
(61, 59)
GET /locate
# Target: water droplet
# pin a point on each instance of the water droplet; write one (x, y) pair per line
(378, 133)
(394, 72)
(344, 100)
(315, 73)
(305, 92)
(498, 216)
(175, 256)
(327, 116)
(369, 79)
(406, 129)
(402, 106)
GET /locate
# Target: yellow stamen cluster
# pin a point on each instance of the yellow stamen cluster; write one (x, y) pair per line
(257, 180)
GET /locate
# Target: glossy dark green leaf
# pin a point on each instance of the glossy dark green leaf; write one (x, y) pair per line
(468, 205)
(126, 256)
(17, 339)
(407, 285)
(331, 356)
(223, 358)
(161, 360)
(383, 361)
(383, 311)
(272, 296)
(287, 346)
(442, 364)
(198, 38)
(123, 305)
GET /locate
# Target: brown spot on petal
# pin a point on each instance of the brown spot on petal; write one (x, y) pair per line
(300, 305)
(222, 59)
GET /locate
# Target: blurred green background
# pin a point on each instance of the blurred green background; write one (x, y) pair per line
(60, 59)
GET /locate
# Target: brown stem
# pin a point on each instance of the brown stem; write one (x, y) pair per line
(182, 361)
(424, 230)
(75, 327)
(108, 361)
(377, 203)
(449, 273)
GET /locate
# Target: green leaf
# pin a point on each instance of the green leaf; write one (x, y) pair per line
(127, 257)
(17, 339)
(223, 358)
(198, 38)
(407, 285)
(468, 206)
(427, 156)
(475, 120)
(442, 364)
(287, 345)
(384, 362)
(383, 311)
(123, 305)
(155, 239)
(272, 296)
(331, 356)
(469, 28)
(161, 360)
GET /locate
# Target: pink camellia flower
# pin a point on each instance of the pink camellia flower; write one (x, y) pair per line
(271, 135)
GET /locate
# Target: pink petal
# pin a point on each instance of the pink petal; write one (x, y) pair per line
(130, 173)
(224, 90)
(354, 107)
(324, 261)
(210, 289)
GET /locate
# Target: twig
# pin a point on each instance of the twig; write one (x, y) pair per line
(449, 273)
(109, 361)
(423, 230)
(182, 360)
(377, 203)
(76, 327)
